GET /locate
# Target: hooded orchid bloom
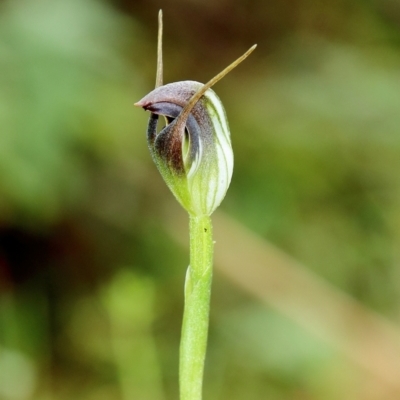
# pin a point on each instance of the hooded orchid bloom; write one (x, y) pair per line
(193, 152)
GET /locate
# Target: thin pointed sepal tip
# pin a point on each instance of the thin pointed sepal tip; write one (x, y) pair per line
(139, 104)
(251, 49)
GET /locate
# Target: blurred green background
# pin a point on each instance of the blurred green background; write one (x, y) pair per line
(92, 262)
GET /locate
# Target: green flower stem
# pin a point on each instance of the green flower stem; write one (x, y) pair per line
(197, 309)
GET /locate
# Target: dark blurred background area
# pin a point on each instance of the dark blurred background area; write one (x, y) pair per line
(92, 260)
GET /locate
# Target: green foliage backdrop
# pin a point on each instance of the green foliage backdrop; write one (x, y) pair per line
(91, 277)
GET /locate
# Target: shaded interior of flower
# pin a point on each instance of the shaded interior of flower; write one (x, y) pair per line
(185, 147)
(162, 123)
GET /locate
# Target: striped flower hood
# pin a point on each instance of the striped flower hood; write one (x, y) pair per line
(193, 152)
